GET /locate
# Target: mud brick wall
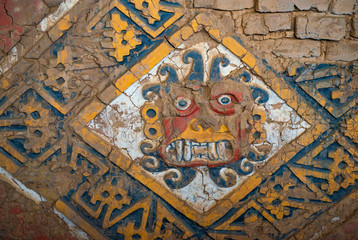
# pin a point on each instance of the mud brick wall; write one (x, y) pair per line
(173, 119)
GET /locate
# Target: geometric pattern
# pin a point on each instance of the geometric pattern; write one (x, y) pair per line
(331, 86)
(45, 111)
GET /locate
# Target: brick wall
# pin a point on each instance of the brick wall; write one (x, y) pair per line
(287, 28)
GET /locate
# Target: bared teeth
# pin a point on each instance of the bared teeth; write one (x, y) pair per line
(179, 150)
(171, 152)
(189, 151)
(212, 152)
(200, 149)
(224, 150)
(220, 149)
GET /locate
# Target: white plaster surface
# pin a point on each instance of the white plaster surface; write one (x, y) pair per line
(30, 194)
(45, 25)
(50, 20)
(121, 124)
(74, 229)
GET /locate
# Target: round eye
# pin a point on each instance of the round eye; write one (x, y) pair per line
(224, 99)
(182, 103)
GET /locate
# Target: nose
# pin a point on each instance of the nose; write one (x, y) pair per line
(206, 119)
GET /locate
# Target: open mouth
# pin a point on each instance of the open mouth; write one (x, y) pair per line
(187, 152)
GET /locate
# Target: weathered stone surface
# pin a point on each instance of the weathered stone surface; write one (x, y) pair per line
(204, 3)
(53, 3)
(226, 23)
(30, 37)
(21, 66)
(44, 43)
(228, 5)
(277, 21)
(342, 51)
(320, 27)
(275, 6)
(354, 30)
(320, 5)
(289, 5)
(344, 6)
(254, 24)
(2, 54)
(291, 48)
(26, 14)
(234, 4)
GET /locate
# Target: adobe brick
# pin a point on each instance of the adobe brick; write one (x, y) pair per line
(277, 21)
(233, 5)
(253, 23)
(294, 48)
(342, 51)
(289, 5)
(344, 6)
(354, 30)
(320, 27)
(204, 3)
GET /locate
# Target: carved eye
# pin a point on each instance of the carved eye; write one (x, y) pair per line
(182, 103)
(224, 99)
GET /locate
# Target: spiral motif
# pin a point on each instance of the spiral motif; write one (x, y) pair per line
(178, 178)
(229, 175)
(174, 175)
(149, 162)
(148, 146)
(223, 176)
(245, 167)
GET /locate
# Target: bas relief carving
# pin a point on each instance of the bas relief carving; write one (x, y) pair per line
(166, 130)
(200, 123)
(211, 124)
(206, 125)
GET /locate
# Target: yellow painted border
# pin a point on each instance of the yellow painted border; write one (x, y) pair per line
(143, 67)
(252, 204)
(78, 220)
(276, 83)
(178, 13)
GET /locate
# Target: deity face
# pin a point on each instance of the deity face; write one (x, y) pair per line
(207, 124)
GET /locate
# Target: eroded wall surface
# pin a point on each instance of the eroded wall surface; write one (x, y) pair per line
(137, 119)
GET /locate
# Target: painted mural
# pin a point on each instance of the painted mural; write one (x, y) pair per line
(153, 125)
(204, 127)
